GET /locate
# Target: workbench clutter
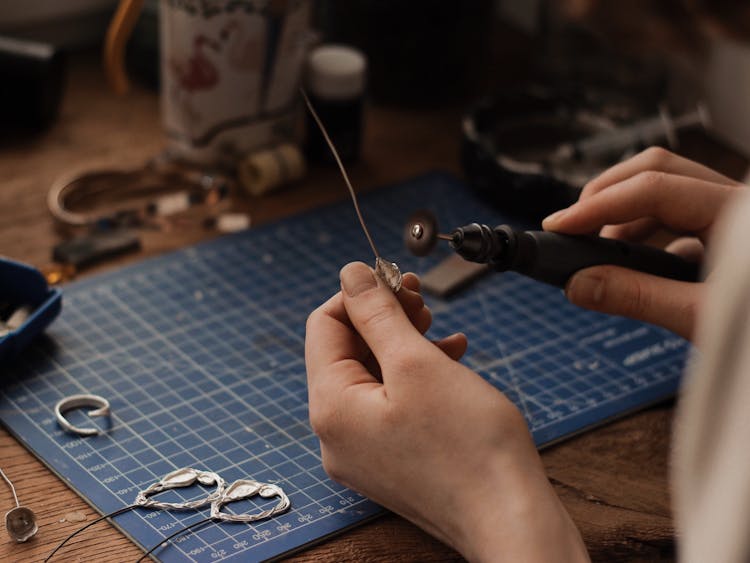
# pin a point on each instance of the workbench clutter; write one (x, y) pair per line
(27, 306)
(33, 80)
(99, 209)
(231, 73)
(529, 149)
(335, 84)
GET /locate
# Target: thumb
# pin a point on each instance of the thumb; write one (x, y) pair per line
(375, 311)
(645, 297)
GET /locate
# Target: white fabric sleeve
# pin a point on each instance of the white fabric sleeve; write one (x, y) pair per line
(711, 457)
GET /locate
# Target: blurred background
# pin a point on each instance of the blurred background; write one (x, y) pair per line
(528, 99)
(422, 53)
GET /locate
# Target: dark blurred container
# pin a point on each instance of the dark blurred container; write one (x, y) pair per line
(420, 52)
(31, 83)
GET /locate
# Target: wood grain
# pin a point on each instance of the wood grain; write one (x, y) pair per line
(613, 480)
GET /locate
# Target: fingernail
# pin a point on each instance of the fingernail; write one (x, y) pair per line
(585, 288)
(556, 216)
(356, 278)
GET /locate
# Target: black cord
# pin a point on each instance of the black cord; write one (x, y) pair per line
(79, 530)
(173, 535)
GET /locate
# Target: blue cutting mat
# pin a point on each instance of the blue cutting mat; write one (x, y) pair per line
(201, 354)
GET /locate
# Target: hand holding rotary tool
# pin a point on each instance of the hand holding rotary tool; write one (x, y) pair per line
(544, 256)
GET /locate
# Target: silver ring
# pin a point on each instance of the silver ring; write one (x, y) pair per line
(101, 408)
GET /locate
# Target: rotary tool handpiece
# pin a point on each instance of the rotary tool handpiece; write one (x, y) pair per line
(553, 257)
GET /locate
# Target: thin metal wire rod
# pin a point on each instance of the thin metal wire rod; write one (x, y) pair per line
(12, 488)
(343, 171)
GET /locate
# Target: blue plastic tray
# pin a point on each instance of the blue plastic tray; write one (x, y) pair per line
(21, 284)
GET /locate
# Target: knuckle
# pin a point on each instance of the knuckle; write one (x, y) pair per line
(650, 179)
(379, 313)
(331, 467)
(657, 156)
(391, 417)
(312, 320)
(688, 312)
(636, 299)
(322, 423)
(317, 423)
(402, 362)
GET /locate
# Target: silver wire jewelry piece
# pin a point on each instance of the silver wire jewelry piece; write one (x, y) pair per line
(245, 489)
(389, 273)
(181, 478)
(101, 408)
(20, 521)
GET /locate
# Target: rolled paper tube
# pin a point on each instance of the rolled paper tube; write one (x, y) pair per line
(267, 170)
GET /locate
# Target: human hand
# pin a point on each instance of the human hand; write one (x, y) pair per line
(402, 422)
(631, 201)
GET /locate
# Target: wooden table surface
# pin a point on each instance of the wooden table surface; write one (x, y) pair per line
(613, 480)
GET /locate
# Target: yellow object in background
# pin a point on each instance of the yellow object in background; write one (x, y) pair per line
(265, 171)
(119, 31)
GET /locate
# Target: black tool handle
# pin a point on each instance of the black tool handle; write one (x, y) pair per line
(553, 257)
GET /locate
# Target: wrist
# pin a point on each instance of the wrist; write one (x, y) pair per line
(515, 515)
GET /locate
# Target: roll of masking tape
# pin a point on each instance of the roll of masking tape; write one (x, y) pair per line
(264, 171)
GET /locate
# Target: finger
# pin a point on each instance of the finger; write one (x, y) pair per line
(654, 159)
(454, 345)
(414, 307)
(422, 320)
(633, 231)
(332, 345)
(689, 248)
(376, 313)
(620, 291)
(680, 203)
(411, 301)
(411, 281)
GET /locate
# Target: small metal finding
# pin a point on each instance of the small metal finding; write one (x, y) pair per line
(21, 520)
(388, 271)
(77, 401)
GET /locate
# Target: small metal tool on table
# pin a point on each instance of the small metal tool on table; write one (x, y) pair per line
(544, 256)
